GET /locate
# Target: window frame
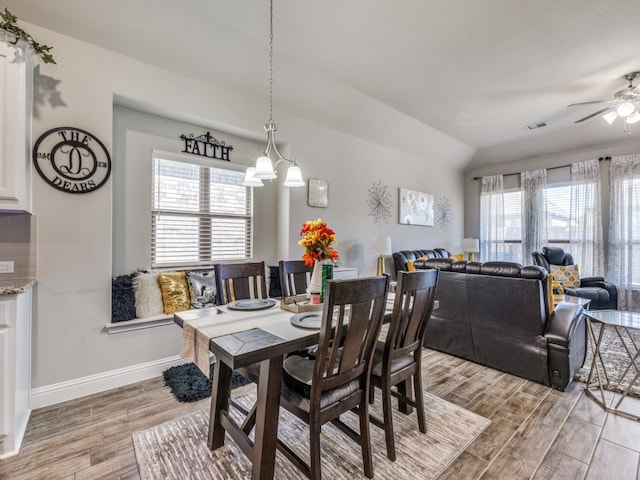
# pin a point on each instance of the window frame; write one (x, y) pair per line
(207, 257)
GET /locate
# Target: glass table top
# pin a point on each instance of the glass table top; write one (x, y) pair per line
(618, 318)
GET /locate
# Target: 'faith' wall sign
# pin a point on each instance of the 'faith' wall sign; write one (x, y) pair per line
(206, 145)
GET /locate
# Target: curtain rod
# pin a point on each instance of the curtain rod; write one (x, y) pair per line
(606, 159)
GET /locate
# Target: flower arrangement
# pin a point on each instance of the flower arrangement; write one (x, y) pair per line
(316, 240)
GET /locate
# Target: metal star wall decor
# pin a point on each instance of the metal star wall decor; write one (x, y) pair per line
(444, 213)
(379, 203)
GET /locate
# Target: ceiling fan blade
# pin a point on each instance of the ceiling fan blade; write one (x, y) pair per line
(586, 103)
(599, 112)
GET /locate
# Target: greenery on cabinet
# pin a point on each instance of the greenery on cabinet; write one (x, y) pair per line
(8, 24)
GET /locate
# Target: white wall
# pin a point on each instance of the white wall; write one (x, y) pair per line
(75, 231)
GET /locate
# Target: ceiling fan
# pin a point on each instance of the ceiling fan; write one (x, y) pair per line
(625, 103)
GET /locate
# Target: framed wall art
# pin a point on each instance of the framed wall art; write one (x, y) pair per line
(416, 208)
(318, 193)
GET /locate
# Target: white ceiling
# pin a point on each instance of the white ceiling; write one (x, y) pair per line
(478, 71)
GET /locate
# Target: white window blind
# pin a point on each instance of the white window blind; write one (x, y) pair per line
(199, 214)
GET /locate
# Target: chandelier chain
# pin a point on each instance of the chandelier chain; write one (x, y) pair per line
(271, 62)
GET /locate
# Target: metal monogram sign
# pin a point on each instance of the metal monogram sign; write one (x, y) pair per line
(206, 146)
(72, 160)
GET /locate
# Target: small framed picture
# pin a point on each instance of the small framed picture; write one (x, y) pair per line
(318, 193)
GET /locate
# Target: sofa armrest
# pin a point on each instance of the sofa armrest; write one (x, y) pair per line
(565, 319)
(591, 281)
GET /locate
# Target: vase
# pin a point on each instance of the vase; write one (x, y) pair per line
(322, 271)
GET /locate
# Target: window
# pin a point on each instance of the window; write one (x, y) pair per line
(199, 214)
(558, 198)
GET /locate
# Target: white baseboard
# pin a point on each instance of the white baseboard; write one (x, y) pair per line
(80, 387)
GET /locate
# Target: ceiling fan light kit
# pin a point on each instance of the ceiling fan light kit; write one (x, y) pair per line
(624, 104)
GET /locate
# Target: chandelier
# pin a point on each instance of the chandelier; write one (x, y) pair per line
(264, 167)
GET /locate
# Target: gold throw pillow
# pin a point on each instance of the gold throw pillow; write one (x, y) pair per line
(175, 292)
(458, 257)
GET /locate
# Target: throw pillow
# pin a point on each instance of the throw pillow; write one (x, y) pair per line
(123, 300)
(567, 275)
(552, 303)
(148, 295)
(202, 288)
(458, 257)
(175, 292)
(411, 267)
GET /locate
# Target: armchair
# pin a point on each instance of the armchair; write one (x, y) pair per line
(603, 294)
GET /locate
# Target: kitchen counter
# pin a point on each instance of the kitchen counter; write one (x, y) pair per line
(16, 285)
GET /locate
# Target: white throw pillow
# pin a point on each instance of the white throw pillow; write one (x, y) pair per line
(148, 295)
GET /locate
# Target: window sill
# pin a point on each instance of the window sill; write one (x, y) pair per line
(139, 324)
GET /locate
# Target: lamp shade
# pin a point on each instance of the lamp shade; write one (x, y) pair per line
(264, 168)
(250, 180)
(633, 118)
(294, 177)
(381, 246)
(470, 245)
(625, 109)
(610, 117)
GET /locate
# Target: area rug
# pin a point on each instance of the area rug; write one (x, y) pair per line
(189, 384)
(615, 359)
(177, 450)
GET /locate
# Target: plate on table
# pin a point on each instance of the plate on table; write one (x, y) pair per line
(307, 320)
(251, 304)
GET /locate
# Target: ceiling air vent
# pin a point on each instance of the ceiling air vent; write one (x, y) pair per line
(533, 126)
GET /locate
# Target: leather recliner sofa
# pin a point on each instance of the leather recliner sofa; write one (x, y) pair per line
(603, 294)
(401, 258)
(498, 314)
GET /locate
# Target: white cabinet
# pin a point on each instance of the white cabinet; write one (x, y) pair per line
(16, 100)
(15, 370)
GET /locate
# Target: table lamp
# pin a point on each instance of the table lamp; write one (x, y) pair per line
(381, 246)
(470, 246)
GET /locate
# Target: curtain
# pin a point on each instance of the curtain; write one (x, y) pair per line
(491, 217)
(534, 213)
(585, 230)
(624, 230)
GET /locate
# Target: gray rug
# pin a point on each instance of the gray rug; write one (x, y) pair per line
(177, 450)
(615, 359)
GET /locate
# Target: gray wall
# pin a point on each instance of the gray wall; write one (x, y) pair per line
(76, 233)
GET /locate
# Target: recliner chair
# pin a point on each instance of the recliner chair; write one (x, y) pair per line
(603, 294)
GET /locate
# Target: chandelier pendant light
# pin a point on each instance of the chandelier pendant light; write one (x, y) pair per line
(264, 168)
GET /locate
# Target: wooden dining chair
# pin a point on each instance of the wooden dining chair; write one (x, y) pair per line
(398, 360)
(240, 281)
(320, 389)
(294, 277)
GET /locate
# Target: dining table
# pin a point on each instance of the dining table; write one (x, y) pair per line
(261, 338)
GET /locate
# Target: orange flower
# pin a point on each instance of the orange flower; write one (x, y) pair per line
(316, 240)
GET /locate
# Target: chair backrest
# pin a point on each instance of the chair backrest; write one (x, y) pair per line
(240, 281)
(294, 277)
(352, 316)
(414, 299)
(552, 256)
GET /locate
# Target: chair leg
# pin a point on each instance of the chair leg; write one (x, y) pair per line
(365, 438)
(315, 472)
(403, 389)
(372, 394)
(419, 398)
(387, 411)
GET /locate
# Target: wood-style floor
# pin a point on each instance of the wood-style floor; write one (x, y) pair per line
(536, 432)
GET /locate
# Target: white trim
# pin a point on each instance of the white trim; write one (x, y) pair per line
(80, 387)
(139, 323)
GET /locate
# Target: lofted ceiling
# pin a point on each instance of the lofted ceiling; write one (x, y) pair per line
(477, 71)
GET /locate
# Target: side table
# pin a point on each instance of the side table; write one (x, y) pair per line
(622, 322)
